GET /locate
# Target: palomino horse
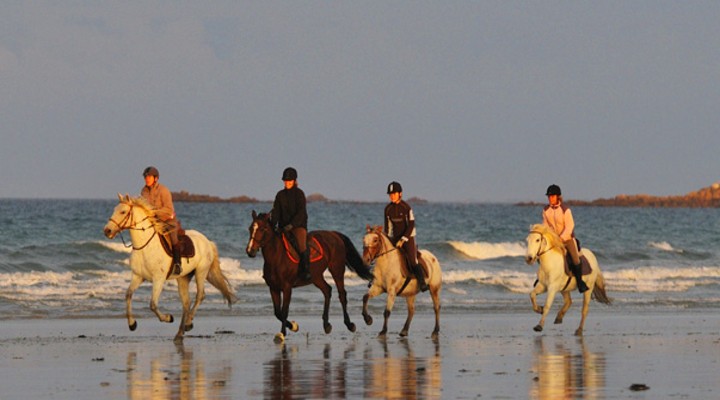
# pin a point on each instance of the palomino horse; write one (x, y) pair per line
(545, 245)
(281, 273)
(389, 266)
(148, 261)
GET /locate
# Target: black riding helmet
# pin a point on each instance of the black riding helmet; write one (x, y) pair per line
(553, 189)
(152, 171)
(394, 187)
(290, 174)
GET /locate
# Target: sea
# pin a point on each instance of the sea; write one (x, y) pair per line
(55, 262)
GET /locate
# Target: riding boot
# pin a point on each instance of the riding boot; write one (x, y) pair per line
(577, 272)
(417, 270)
(304, 266)
(176, 262)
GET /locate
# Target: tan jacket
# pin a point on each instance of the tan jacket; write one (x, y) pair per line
(159, 197)
(560, 219)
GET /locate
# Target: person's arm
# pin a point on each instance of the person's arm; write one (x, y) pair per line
(567, 233)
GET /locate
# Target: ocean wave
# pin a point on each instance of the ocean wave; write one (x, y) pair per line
(115, 246)
(661, 279)
(664, 246)
(486, 251)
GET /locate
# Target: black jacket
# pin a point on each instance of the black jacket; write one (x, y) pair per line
(289, 209)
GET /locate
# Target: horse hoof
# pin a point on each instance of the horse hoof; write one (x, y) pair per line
(328, 328)
(189, 327)
(538, 328)
(294, 326)
(539, 310)
(435, 335)
(403, 333)
(351, 327)
(279, 338)
(171, 319)
(178, 340)
(558, 321)
(579, 332)
(368, 320)
(133, 326)
(382, 335)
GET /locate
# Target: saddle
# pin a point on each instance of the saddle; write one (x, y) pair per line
(406, 268)
(316, 250)
(585, 265)
(187, 248)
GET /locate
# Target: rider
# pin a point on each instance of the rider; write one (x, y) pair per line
(159, 197)
(400, 228)
(559, 218)
(290, 215)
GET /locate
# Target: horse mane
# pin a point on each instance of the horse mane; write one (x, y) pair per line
(553, 238)
(161, 226)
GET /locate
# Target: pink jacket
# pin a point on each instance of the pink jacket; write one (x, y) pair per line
(560, 219)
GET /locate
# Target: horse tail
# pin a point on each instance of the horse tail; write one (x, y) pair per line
(599, 290)
(354, 259)
(218, 279)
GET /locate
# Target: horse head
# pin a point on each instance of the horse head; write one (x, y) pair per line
(372, 243)
(121, 217)
(260, 231)
(540, 240)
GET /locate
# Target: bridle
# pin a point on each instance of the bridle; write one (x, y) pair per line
(128, 223)
(543, 243)
(256, 228)
(382, 248)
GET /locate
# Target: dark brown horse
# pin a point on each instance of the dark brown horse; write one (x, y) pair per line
(280, 271)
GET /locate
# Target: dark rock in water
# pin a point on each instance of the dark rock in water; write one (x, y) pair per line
(637, 387)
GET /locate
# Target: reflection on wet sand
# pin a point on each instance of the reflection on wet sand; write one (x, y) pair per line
(357, 373)
(175, 375)
(566, 369)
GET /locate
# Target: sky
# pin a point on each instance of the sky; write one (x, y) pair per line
(483, 101)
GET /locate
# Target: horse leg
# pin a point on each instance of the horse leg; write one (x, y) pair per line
(199, 297)
(435, 294)
(386, 314)
(567, 302)
(411, 312)
(374, 291)
(538, 289)
(327, 292)
(157, 287)
(586, 305)
(342, 294)
(183, 282)
(545, 310)
(134, 284)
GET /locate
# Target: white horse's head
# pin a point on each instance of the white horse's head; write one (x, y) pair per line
(372, 243)
(120, 218)
(540, 240)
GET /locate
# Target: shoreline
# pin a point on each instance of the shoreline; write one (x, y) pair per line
(477, 355)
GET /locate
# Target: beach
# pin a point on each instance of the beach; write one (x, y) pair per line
(492, 356)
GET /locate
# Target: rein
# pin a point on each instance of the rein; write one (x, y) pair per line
(133, 226)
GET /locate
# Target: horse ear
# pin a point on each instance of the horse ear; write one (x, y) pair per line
(254, 214)
(127, 197)
(120, 197)
(368, 229)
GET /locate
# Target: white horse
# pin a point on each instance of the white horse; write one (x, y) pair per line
(389, 266)
(149, 261)
(545, 245)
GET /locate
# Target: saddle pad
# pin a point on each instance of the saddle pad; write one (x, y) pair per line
(316, 250)
(586, 269)
(187, 248)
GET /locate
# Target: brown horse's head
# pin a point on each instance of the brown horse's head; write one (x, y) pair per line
(260, 232)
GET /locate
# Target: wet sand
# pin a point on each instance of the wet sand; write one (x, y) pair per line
(477, 356)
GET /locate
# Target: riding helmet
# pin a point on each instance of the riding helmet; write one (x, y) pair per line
(553, 189)
(394, 187)
(152, 171)
(290, 174)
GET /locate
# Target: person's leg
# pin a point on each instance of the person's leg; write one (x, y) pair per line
(576, 268)
(411, 251)
(304, 264)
